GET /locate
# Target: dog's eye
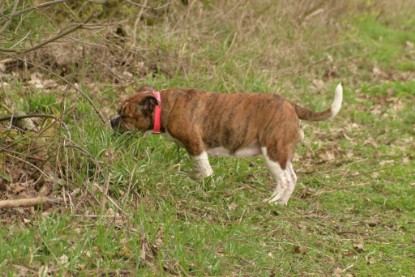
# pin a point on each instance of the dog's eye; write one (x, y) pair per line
(123, 116)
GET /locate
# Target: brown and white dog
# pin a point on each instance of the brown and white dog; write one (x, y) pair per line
(240, 124)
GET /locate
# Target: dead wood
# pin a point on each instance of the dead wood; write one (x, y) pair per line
(30, 202)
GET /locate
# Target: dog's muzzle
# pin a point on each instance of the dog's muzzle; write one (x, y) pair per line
(115, 123)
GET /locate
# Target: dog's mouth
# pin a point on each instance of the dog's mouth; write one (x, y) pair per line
(116, 124)
(118, 128)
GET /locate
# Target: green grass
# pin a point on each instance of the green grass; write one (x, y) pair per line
(354, 212)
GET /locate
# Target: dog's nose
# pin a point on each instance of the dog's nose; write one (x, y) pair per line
(114, 122)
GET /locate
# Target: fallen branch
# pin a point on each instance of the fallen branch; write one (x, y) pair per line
(25, 202)
(11, 117)
(30, 202)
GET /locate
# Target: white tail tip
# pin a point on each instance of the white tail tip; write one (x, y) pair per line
(337, 102)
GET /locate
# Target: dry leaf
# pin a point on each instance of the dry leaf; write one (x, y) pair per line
(331, 72)
(299, 250)
(63, 260)
(232, 206)
(377, 72)
(43, 271)
(337, 272)
(318, 84)
(370, 261)
(148, 251)
(128, 74)
(375, 175)
(405, 161)
(382, 163)
(17, 188)
(36, 81)
(358, 246)
(327, 156)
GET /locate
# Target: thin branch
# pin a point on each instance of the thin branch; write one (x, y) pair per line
(37, 46)
(110, 199)
(42, 5)
(21, 40)
(151, 8)
(136, 23)
(11, 117)
(76, 87)
(28, 163)
(105, 192)
(17, 117)
(2, 149)
(16, 3)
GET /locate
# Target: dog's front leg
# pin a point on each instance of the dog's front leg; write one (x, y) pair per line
(202, 166)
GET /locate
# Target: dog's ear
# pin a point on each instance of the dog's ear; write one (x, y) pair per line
(146, 88)
(147, 104)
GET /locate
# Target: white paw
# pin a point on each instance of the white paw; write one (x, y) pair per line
(283, 202)
(198, 176)
(275, 197)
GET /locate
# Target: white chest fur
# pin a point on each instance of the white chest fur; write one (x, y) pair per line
(251, 150)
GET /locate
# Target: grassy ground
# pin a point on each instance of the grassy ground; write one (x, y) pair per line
(352, 213)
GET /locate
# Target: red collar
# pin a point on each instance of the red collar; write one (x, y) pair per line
(157, 111)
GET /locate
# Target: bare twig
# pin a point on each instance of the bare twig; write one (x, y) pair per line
(18, 117)
(39, 6)
(37, 46)
(6, 24)
(11, 117)
(136, 23)
(21, 40)
(110, 199)
(28, 163)
(144, 6)
(2, 149)
(105, 192)
(74, 86)
(30, 202)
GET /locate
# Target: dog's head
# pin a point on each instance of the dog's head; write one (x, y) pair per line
(136, 112)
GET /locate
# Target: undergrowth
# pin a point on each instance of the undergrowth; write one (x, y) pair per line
(137, 212)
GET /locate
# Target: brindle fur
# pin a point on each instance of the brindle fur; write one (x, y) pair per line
(202, 120)
(227, 124)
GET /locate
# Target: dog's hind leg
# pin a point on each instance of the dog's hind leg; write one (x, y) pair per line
(291, 181)
(285, 178)
(202, 165)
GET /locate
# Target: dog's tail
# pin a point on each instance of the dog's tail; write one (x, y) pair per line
(305, 114)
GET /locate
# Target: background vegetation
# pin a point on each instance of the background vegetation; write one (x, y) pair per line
(124, 205)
